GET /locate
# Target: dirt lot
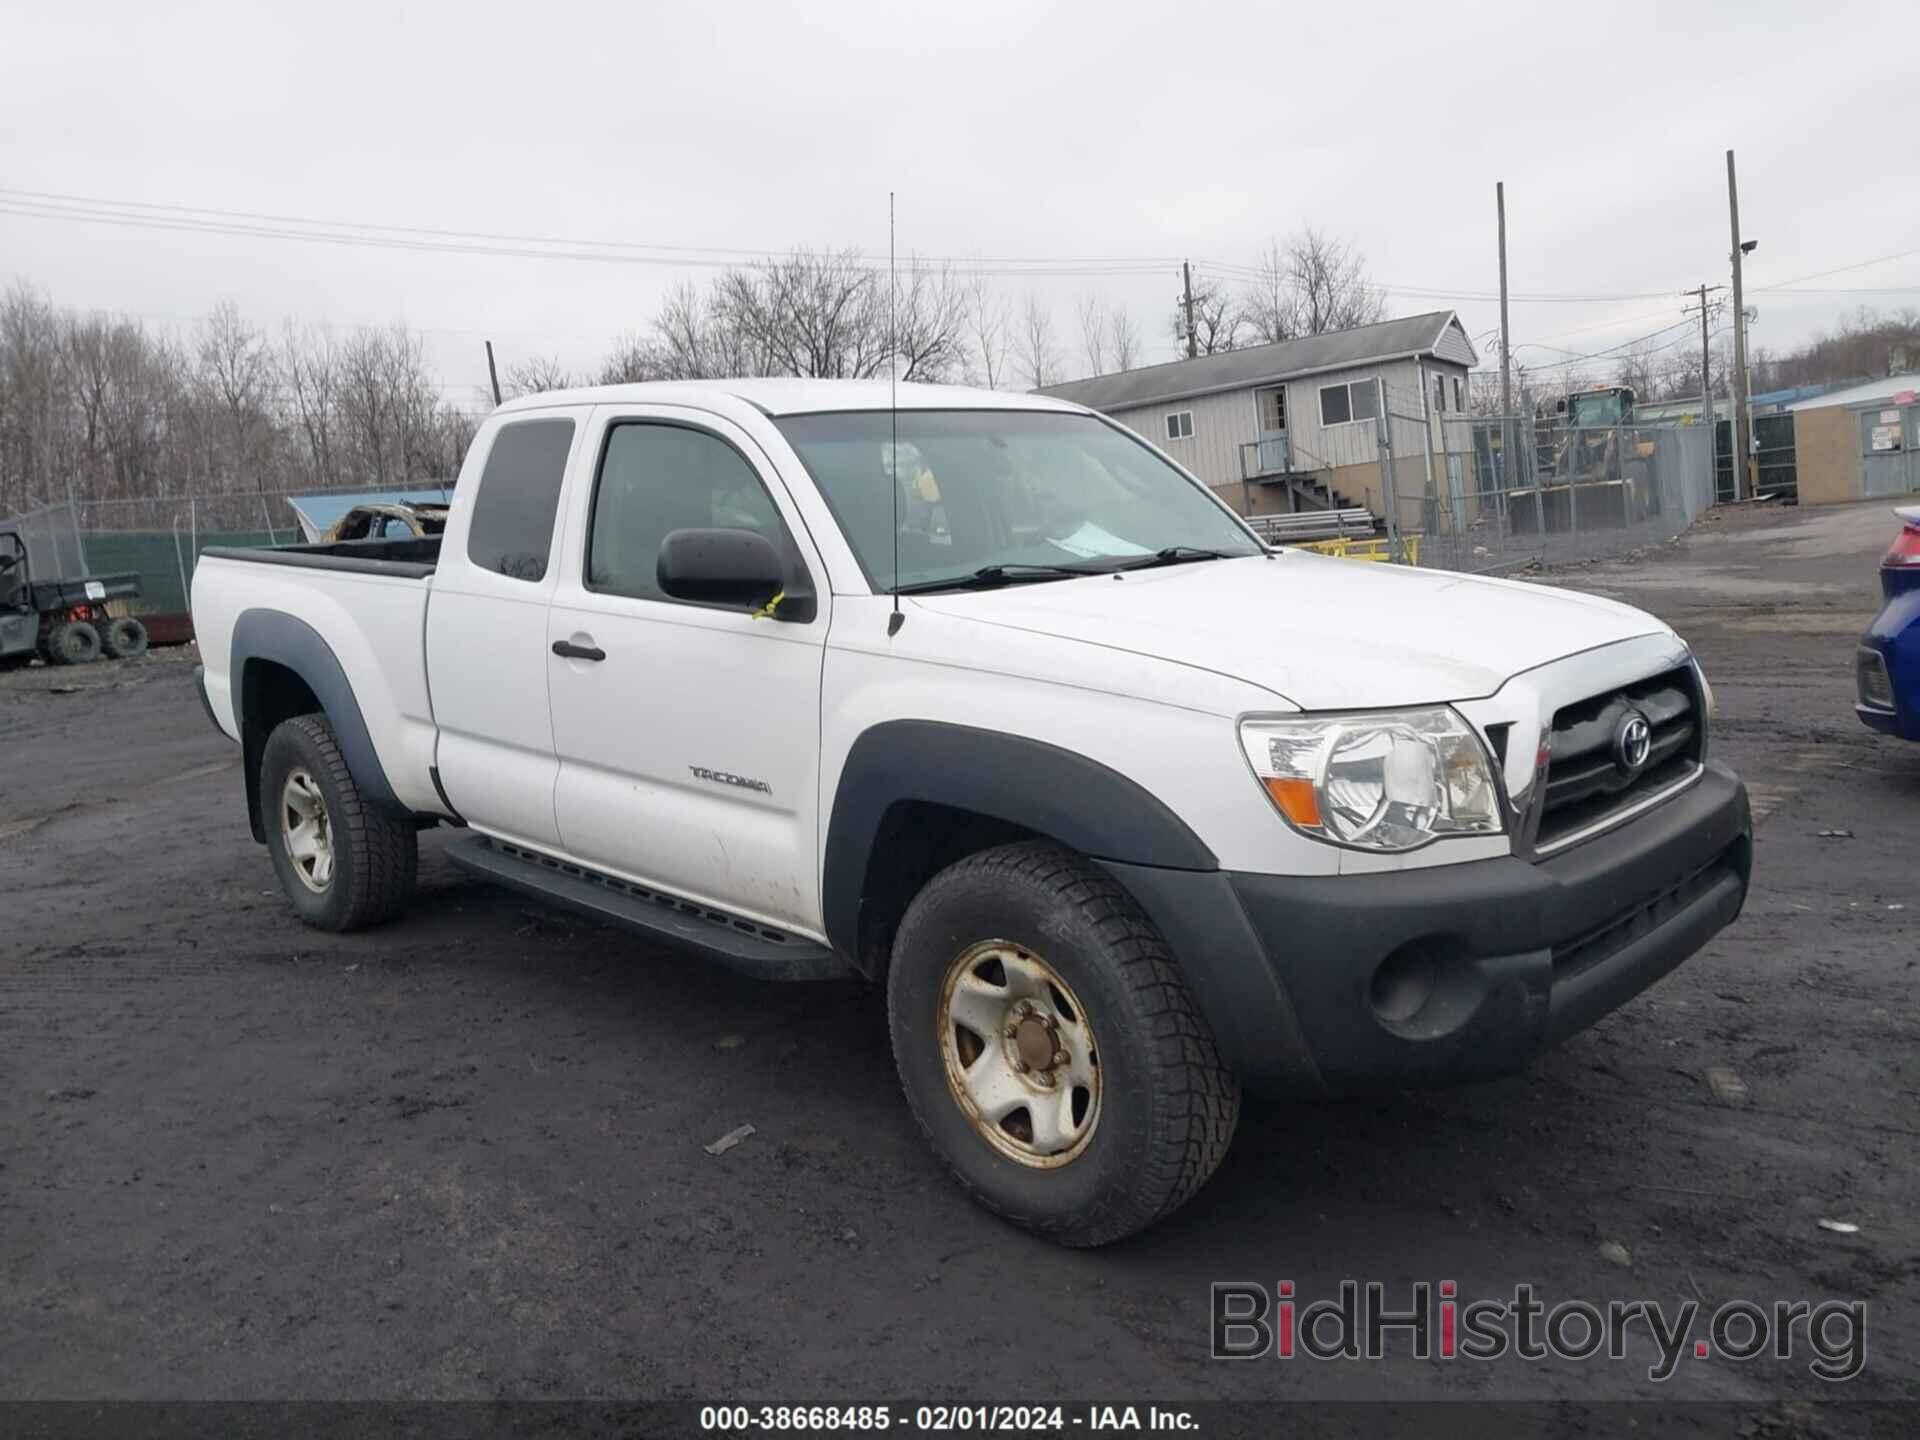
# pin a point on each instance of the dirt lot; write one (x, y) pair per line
(462, 1156)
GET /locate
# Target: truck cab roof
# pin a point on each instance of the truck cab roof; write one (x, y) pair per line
(793, 397)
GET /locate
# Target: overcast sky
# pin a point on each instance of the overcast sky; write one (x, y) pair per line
(1111, 131)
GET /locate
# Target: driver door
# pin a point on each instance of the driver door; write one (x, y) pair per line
(689, 750)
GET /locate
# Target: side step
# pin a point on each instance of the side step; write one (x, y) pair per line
(739, 944)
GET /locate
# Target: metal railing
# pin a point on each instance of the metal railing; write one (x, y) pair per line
(1270, 456)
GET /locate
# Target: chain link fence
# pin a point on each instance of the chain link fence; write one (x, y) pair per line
(160, 540)
(1508, 494)
(1455, 491)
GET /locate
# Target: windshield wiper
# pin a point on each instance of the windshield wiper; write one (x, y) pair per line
(988, 577)
(1173, 555)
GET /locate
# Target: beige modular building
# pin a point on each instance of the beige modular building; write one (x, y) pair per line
(1298, 424)
(1859, 443)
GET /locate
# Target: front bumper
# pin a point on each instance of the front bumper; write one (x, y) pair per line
(1895, 637)
(1458, 972)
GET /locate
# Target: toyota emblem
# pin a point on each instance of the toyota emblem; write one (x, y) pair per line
(1631, 743)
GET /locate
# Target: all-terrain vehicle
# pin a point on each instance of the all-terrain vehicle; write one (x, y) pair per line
(64, 621)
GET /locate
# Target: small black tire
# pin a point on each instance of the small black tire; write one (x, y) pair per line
(73, 642)
(373, 856)
(124, 638)
(1167, 1105)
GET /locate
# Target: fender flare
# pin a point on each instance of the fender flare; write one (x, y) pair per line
(283, 639)
(1065, 796)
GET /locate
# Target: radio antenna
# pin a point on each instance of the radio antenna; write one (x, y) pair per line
(896, 619)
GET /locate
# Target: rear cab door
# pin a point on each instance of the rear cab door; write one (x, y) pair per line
(689, 753)
(486, 636)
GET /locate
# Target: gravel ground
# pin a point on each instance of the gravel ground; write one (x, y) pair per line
(462, 1156)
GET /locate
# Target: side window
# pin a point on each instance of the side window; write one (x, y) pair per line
(512, 528)
(655, 479)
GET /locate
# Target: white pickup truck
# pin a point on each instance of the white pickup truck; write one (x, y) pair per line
(985, 700)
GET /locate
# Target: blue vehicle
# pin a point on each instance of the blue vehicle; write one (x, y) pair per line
(1888, 666)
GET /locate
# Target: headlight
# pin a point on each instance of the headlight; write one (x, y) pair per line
(1391, 780)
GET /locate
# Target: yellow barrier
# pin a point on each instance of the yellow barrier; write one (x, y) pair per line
(1375, 550)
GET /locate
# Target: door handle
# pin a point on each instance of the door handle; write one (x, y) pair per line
(567, 650)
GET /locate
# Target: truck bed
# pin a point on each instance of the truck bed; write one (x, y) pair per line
(409, 559)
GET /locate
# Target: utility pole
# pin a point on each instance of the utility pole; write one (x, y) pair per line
(1509, 432)
(1186, 272)
(1742, 446)
(493, 374)
(1706, 391)
(1506, 361)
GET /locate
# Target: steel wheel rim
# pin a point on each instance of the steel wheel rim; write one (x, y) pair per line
(305, 829)
(1037, 1107)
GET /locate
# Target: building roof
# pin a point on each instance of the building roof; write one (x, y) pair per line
(1867, 394)
(1403, 338)
(789, 396)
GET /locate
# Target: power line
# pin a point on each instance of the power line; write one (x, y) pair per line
(1838, 270)
(45, 205)
(57, 205)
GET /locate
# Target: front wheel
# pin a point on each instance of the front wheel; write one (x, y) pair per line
(1050, 1048)
(343, 863)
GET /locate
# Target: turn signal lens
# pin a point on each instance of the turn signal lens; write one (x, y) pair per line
(1295, 798)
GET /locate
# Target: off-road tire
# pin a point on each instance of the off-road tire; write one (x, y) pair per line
(1168, 1104)
(123, 638)
(73, 642)
(375, 855)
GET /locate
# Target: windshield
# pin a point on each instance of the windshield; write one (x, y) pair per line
(979, 489)
(1606, 408)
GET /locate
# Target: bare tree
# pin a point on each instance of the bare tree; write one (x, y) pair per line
(989, 322)
(234, 364)
(1328, 282)
(310, 380)
(701, 337)
(1123, 338)
(1268, 301)
(535, 375)
(1035, 350)
(1217, 322)
(632, 360)
(815, 313)
(928, 326)
(1091, 312)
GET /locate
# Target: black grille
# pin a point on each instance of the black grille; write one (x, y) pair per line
(1585, 782)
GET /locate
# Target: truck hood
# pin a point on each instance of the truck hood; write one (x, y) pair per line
(1322, 633)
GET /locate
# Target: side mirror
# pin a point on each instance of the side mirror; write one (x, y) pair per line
(720, 567)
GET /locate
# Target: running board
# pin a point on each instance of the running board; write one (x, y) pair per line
(739, 944)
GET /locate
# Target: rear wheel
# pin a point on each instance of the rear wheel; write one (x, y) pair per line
(343, 863)
(1050, 1047)
(124, 638)
(73, 642)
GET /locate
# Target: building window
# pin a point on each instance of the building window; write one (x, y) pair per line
(1355, 400)
(1440, 393)
(1458, 403)
(1180, 425)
